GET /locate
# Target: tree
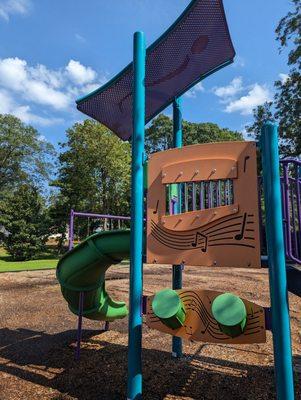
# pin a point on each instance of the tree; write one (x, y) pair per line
(24, 155)
(289, 31)
(288, 113)
(286, 107)
(288, 95)
(159, 135)
(24, 217)
(261, 114)
(93, 173)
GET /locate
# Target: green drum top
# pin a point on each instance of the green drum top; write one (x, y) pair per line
(230, 313)
(168, 306)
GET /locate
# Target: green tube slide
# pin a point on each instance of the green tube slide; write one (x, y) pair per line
(83, 269)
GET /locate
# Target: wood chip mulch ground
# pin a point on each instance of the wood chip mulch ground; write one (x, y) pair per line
(37, 338)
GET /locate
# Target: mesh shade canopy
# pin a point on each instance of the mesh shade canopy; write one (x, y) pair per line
(196, 45)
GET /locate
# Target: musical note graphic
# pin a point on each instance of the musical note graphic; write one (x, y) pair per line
(243, 227)
(196, 241)
(157, 206)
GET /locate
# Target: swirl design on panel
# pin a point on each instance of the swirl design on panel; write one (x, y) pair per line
(234, 231)
(194, 303)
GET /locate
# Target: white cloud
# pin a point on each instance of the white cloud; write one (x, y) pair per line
(25, 115)
(9, 106)
(257, 95)
(51, 78)
(192, 93)
(230, 90)
(80, 38)
(90, 87)
(6, 102)
(80, 74)
(35, 84)
(244, 132)
(231, 96)
(23, 85)
(42, 138)
(283, 77)
(11, 7)
(41, 85)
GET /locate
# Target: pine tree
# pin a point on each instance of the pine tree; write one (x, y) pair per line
(24, 217)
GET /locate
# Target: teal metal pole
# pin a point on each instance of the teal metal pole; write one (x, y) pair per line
(177, 269)
(277, 267)
(177, 123)
(136, 286)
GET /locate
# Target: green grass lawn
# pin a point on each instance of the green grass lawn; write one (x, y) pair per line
(46, 261)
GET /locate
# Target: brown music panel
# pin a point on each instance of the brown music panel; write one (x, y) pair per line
(211, 220)
(200, 324)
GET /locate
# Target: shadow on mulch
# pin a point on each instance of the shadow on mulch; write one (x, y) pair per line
(101, 373)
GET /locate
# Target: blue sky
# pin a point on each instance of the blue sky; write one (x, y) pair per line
(52, 52)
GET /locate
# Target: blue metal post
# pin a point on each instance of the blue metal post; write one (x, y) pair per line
(277, 268)
(136, 287)
(177, 124)
(177, 269)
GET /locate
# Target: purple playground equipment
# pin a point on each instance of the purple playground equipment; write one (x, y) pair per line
(291, 202)
(74, 214)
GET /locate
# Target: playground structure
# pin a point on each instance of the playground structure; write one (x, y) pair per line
(197, 45)
(202, 195)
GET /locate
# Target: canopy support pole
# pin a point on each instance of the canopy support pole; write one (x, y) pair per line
(137, 231)
(277, 267)
(177, 269)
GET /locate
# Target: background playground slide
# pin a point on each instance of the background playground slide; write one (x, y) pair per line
(83, 270)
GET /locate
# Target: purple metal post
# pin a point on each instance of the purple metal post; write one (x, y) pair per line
(71, 230)
(186, 197)
(211, 194)
(202, 196)
(219, 197)
(193, 197)
(208, 194)
(74, 214)
(294, 233)
(92, 215)
(174, 201)
(299, 212)
(284, 211)
(79, 324)
(291, 207)
(288, 204)
(228, 193)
